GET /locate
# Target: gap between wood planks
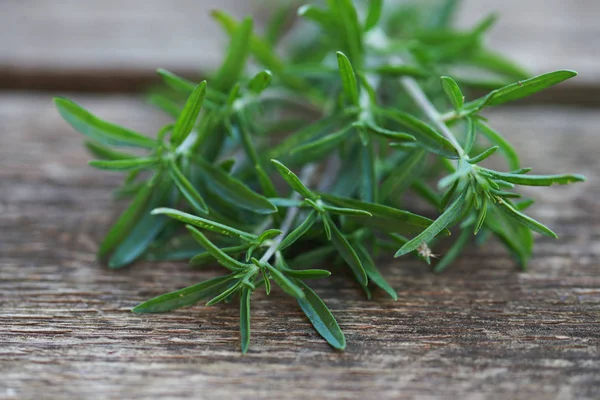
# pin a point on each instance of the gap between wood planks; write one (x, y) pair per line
(136, 81)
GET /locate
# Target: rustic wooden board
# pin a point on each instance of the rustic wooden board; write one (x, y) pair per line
(482, 330)
(543, 35)
(117, 44)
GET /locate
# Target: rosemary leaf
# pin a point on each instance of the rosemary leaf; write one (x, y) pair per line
(205, 223)
(347, 252)
(184, 297)
(434, 229)
(320, 317)
(187, 119)
(97, 129)
(245, 319)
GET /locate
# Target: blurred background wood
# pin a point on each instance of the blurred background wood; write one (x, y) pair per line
(118, 44)
(481, 330)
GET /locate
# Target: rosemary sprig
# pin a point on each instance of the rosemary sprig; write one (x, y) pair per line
(371, 107)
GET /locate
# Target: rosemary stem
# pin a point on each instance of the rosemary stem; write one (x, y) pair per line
(417, 94)
(286, 226)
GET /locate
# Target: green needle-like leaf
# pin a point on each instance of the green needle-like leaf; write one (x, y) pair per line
(184, 297)
(260, 81)
(245, 319)
(297, 233)
(235, 61)
(176, 82)
(206, 257)
(187, 189)
(515, 236)
(143, 231)
(321, 147)
(471, 135)
(285, 283)
(349, 82)
(483, 209)
(373, 14)
(186, 121)
(348, 28)
(97, 129)
(223, 258)
(106, 153)
(165, 104)
(287, 202)
(293, 180)
(125, 222)
(443, 17)
(321, 318)
(372, 271)
(303, 136)
(353, 212)
(130, 164)
(268, 235)
(444, 220)
(265, 182)
(306, 273)
(347, 252)
(261, 49)
(453, 92)
(388, 134)
(226, 294)
(205, 224)
(535, 180)
(487, 153)
(318, 15)
(401, 177)
(384, 218)
(523, 219)
(234, 191)
(521, 89)
(425, 134)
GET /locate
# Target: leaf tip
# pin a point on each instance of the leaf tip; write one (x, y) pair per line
(571, 72)
(115, 265)
(340, 346)
(579, 178)
(139, 309)
(302, 10)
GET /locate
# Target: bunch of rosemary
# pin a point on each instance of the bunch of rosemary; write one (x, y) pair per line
(354, 101)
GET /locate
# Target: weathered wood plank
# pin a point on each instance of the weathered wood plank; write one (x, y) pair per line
(114, 44)
(543, 35)
(482, 330)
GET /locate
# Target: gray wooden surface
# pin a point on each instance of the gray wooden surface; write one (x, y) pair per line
(112, 43)
(482, 330)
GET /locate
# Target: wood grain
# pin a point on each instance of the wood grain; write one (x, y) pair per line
(543, 35)
(481, 330)
(117, 44)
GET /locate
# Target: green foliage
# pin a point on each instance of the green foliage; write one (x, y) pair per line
(277, 164)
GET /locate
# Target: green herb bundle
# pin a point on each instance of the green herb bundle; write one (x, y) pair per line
(301, 147)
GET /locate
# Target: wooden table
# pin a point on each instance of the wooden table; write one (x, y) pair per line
(481, 330)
